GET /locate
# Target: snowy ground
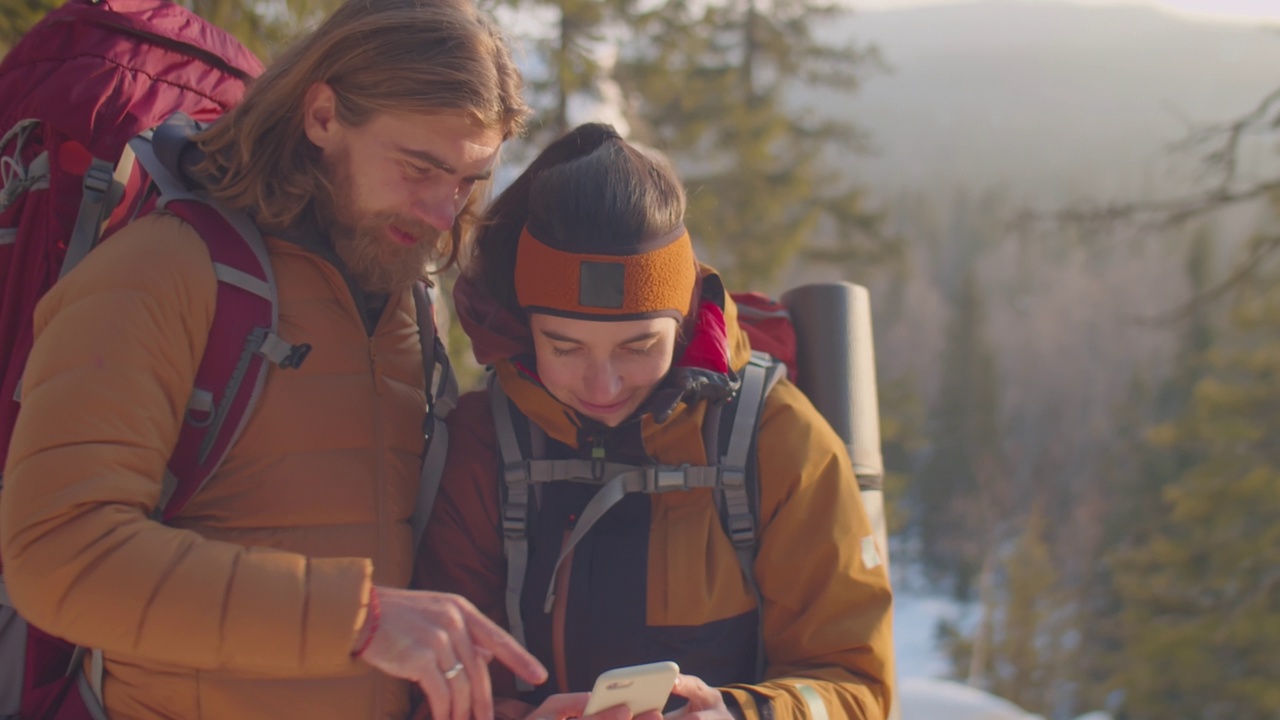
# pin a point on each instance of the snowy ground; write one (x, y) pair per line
(922, 668)
(915, 622)
(932, 699)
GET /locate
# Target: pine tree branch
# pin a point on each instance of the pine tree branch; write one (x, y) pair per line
(1268, 584)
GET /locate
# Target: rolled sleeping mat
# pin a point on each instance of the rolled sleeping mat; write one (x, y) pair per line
(835, 354)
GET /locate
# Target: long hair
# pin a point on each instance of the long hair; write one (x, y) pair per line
(378, 56)
(588, 188)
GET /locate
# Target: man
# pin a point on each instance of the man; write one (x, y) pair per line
(275, 591)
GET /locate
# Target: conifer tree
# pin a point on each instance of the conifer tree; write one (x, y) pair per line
(571, 55)
(958, 498)
(17, 16)
(1201, 591)
(1027, 628)
(1139, 467)
(716, 86)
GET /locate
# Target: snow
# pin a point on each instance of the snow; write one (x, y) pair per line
(934, 699)
(922, 666)
(915, 625)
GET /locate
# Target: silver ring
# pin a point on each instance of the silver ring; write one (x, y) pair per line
(453, 672)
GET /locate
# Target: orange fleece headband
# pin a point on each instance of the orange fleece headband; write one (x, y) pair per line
(656, 278)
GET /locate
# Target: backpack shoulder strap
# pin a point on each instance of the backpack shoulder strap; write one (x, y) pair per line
(442, 397)
(102, 189)
(242, 338)
(515, 509)
(739, 490)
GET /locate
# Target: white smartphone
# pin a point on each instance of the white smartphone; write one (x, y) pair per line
(640, 687)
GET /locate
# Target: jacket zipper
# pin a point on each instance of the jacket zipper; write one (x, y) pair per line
(559, 608)
(379, 483)
(379, 474)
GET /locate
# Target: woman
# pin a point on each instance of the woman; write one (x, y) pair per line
(613, 348)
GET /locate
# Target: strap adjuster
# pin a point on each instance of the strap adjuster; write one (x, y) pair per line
(742, 530)
(280, 351)
(515, 520)
(99, 178)
(516, 474)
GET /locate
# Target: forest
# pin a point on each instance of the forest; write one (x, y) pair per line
(1079, 380)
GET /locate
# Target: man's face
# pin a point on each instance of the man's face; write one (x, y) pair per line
(399, 182)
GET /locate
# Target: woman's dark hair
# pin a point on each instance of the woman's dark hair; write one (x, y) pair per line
(586, 192)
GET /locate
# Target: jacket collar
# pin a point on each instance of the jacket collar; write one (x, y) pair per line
(307, 237)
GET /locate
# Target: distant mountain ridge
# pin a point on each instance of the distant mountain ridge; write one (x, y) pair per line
(1051, 99)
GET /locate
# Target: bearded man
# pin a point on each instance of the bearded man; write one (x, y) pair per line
(276, 592)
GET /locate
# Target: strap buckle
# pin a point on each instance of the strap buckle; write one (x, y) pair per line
(280, 351)
(99, 178)
(515, 510)
(733, 477)
(296, 355)
(664, 479)
(515, 520)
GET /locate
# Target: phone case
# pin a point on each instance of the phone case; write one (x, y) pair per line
(640, 687)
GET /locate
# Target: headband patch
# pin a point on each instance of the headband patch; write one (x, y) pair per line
(601, 284)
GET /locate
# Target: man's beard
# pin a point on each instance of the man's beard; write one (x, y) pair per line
(379, 264)
(376, 262)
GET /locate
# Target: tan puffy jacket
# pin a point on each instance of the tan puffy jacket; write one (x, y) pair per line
(247, 604)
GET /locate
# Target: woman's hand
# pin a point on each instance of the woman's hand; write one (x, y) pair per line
(571, 705)
(705, 703)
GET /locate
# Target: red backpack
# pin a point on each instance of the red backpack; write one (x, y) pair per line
(76, 94)
(97, 103)
(769, 328)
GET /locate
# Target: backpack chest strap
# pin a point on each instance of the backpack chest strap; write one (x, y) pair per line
(636, 478)
(650, 479)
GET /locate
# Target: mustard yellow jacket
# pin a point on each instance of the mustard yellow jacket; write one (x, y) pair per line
(657, 578)
(245, 605)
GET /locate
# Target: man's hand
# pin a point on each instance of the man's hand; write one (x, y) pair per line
(443, 643)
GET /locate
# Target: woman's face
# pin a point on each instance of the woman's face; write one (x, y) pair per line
(603, 369)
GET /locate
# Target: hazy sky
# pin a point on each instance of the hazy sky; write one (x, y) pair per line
(1238, 10)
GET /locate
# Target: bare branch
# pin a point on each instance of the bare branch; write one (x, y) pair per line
(1224, 158)
(1220, 162)
(1153, 215)
(1243, 270)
